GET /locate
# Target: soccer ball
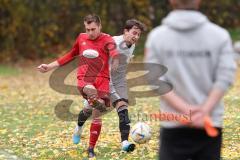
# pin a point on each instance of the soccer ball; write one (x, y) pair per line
(140, 133)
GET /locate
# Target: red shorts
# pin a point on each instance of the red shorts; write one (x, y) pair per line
(100, 83)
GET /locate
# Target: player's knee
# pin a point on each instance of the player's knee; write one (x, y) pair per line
(120, 102)
(90, 90)
(121, 105)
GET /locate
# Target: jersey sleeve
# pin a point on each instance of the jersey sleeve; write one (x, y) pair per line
(71, 54)
(151, 53)
(111, 47)
(226, 68)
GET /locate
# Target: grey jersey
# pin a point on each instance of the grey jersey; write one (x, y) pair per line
(118, 83)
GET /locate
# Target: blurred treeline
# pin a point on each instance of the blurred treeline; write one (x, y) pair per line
(33, 29)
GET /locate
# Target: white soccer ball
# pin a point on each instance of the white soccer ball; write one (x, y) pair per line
(140, 133)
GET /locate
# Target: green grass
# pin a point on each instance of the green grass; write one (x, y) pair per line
(6, 70)
(235, 33)
(30, 128)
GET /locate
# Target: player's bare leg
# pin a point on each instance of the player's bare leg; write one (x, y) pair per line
(98, 106)
(84, 114)
(95, 107)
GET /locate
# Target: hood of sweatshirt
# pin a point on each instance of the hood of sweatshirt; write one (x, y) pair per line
(184, 20)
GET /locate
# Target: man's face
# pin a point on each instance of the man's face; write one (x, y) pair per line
(93, 30)
(132, 36)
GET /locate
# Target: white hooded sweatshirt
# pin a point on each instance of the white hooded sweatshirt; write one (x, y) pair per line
(199, 57)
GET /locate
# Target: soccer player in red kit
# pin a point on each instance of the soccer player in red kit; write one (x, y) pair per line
(94, 50)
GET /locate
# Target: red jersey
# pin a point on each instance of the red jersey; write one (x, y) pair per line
(93, 55)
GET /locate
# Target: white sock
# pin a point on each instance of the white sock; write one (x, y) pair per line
(124, 143)
(78, 130)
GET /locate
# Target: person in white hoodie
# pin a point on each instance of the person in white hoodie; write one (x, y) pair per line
(201, 67)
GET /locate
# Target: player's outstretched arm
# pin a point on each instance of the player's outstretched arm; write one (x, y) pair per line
(47, 67)
(115, 63)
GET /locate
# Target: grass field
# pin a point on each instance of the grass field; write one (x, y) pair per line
(235, 34)
(30, 129)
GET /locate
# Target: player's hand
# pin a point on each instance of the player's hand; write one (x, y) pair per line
(197, 117)
(188, 111)
(43, 68)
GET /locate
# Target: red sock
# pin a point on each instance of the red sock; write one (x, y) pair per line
(95, 131)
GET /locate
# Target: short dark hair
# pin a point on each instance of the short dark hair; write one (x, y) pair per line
(133, 22)
(92, 18)
(185, 4)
